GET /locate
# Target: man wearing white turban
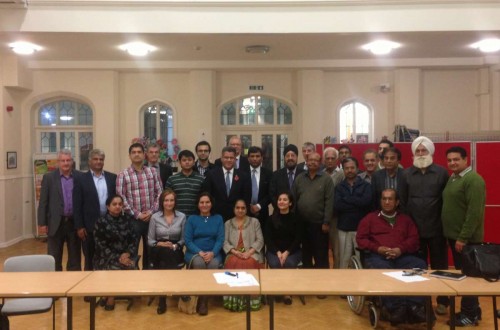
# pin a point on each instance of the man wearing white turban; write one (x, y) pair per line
(421, 193)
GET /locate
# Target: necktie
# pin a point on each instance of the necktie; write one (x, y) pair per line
(255, 188)
(228, 183)
(290, 179)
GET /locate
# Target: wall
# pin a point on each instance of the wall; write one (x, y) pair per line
(431, 100)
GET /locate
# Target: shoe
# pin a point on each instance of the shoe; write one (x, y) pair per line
(102, 302)
(202, 307)
(343, 297)
(287, 300)
(321, 297)
(162, 306)
(498, 313)
(417, 314)
(462, 320)
(109, 307)
(398, 316)
(86, 299)
(441, 309)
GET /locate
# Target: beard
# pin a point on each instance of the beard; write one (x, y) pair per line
(422, 161)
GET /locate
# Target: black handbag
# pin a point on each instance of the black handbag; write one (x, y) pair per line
(482, 260)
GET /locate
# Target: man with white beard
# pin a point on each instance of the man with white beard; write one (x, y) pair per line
(421, 195)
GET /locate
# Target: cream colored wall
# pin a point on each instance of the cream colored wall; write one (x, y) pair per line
(436, 98)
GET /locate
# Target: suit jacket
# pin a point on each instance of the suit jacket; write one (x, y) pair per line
(215, 184)
(279, 183)
(51, 204)
(378, 184)
(264, 199)
(86, 208)
(244, 164)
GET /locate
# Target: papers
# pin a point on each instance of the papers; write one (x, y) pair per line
(243, 279)
(398, 275)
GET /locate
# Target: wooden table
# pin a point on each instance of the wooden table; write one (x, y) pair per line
(41, 284)
(158, 282)
(475, 286)
(363, 282)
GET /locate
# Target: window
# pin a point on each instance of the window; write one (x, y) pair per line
(65, 124)
(159, 124)
(355, 122)
(259, 120)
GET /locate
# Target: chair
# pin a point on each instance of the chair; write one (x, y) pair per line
(24, 306)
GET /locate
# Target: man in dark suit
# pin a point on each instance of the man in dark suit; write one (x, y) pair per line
(389, 177)
(227, 184)
(282, 179)
(241, 162)
(91, 189)
(153, 160)
(260, 179)
(55, 212)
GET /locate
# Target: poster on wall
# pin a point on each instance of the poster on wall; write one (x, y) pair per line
(42, 164)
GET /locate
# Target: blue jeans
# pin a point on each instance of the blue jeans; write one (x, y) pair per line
(376, 261)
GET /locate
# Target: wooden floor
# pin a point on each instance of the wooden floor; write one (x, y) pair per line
(331, 313)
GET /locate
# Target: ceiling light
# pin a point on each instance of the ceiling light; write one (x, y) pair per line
(24, 48)
(381, 47)
(487, 45)
(137, 48)
(258, 49)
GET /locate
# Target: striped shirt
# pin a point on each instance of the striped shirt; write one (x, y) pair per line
(140, 190)
(187, 189)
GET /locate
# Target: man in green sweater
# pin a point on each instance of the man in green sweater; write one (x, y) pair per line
(463, 220)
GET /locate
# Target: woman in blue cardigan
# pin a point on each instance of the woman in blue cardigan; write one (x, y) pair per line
(204, 237)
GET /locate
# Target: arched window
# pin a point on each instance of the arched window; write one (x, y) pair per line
(159, 124)
(65, 124)
(259, 120)
(355, 122)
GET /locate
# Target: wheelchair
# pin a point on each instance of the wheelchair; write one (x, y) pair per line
(357, 303)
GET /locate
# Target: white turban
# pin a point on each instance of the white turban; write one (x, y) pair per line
(426, 142)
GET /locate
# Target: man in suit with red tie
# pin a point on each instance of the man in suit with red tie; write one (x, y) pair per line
(260, 178)
(227, 184)
(90, 192)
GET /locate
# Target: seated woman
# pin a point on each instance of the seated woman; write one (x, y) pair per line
(166, 237)
(204, 236)
(115, 242)
(243, 245)
(283, 235)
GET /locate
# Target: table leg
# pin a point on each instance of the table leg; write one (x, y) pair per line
(428, 312)
(452, 312)
(69, 312)
(249, 310)
(270, 300)
(92, 313)
(495, 318)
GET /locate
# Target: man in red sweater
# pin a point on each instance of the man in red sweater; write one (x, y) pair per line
(391, 240)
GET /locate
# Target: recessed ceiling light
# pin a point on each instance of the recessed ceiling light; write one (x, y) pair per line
(487, 45)
(258, 49)
(24, 48)
(381, 47)
(137, 48)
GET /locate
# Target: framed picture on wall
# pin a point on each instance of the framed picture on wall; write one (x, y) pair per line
(11, 159)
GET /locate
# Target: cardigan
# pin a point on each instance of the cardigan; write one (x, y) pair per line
(251, 234)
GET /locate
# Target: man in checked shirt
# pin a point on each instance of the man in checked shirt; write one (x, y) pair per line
(140, 189)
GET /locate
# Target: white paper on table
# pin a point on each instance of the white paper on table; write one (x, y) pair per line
(243, 279)
(408, 279)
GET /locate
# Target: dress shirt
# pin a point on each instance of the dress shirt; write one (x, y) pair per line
(67, 190)
(102, 190)
(160, 230)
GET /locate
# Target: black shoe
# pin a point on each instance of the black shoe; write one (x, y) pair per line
(416, 314)
(287, 300)
(162, 306)
(109, 307)
(498, 313)
(462, 320)
(86, 299)
(398, 316)
(202, 307)
(321, 297)
(102, 302)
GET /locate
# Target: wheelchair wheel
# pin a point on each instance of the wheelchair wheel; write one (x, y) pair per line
(374, 317)
(356, 303)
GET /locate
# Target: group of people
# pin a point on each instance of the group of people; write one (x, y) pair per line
(214, 215)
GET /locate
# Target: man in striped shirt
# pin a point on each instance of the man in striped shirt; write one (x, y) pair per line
(186, 184)
(140, 188)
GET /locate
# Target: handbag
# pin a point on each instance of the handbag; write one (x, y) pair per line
(482, 260)
(187, 304)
